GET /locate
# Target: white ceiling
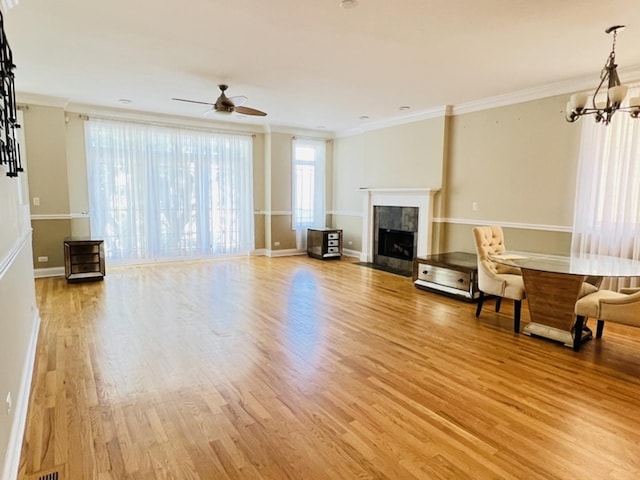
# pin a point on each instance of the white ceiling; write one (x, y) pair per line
(310, 63)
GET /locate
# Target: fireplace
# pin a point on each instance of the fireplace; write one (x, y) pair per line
(395, 237)
(395, 243)
(421, 199)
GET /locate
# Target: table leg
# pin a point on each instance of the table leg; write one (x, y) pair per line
(552, 298)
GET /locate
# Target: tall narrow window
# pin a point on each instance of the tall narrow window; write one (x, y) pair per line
(308, 187)
(158, 193)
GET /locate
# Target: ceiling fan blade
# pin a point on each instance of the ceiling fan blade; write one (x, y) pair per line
(191, 101)
(238, 100)
(250, 111)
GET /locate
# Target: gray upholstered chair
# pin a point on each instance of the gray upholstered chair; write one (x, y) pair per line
(607, 306)
(493, 278)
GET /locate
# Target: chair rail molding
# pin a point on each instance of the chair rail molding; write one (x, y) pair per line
(523, 226)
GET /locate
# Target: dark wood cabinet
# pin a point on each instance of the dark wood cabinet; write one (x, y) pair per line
(83, 259)
(324, 243)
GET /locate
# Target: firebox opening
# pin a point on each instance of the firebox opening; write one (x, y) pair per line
(395, 243)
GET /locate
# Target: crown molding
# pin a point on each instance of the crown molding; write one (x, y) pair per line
(437, 112)
(583, 83)
(41, 100)
(300, 132)
(563, 87)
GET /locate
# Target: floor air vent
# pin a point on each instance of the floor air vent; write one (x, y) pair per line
(56, 472)
(49, 476)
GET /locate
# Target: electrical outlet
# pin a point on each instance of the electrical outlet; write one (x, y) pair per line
(9, 403)
(36, 201)
(349, 242)
(276, 244)
(43, 259)
(474, 206)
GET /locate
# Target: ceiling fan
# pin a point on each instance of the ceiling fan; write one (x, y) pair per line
(226, 104)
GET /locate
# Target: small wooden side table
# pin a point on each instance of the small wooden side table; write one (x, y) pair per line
(83, 259)
(324, 243)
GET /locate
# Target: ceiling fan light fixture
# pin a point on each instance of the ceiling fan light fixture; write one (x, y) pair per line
(606, 99)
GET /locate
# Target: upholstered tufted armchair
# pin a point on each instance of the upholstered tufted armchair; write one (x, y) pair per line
(606, 305)
(495, 279)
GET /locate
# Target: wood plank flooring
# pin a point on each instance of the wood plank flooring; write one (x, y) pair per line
(294, 368)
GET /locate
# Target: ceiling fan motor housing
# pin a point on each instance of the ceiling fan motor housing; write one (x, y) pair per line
(224, 104)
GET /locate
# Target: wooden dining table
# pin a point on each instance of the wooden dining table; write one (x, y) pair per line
(553, 284)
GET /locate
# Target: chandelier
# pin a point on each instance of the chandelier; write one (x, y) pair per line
(603, 107)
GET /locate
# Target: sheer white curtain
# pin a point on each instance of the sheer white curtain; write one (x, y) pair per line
(607, 207)
(309, 210)
(159, 193)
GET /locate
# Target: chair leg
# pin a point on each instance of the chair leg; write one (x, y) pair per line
(498, 303)
(599, 328)
(480, 300)
(517, 306)
(577, 333)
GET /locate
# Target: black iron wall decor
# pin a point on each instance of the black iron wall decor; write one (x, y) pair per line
(9, 148)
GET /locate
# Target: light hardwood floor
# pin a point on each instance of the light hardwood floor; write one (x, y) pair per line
(294, 368)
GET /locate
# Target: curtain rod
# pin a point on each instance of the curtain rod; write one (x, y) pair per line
(160, 123)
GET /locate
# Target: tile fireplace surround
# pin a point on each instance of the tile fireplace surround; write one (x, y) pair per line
(397, 197)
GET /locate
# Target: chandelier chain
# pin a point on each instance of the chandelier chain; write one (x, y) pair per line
(612, 57)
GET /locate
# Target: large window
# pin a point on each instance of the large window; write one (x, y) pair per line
(308, 187)
(159, 193)
(607, 207)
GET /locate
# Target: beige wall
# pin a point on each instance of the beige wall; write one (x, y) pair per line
(45, 133)
(408, 156)
(45, 136)
(458, 238)
(517, 163)
(348, 174)
(279, 191)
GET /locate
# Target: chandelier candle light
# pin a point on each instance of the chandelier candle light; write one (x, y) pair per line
(604, 108)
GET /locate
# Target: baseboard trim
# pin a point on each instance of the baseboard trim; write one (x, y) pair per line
(351, 253)
(285, 253)
(48, 272)
(14, 448)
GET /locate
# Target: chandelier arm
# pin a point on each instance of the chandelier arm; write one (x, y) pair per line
(595, 94)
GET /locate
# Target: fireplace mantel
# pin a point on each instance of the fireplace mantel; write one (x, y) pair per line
(398, 197)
